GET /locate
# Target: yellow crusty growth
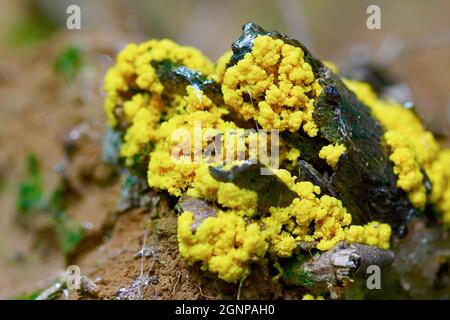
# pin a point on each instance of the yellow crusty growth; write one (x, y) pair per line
(143, 113)
(373, 234)
(412, 146)
(173, 164)
(282, 229)
(228, 195)
(332, 153)
(439, 173)
(311, 297)
(179, 154)
(225, 244)
(285, 227)
(274, 86)
(410, 178)
(293, 155)
(393, 116)
(221, 66)
(133, 70)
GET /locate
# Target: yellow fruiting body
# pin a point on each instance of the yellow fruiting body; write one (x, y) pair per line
(410, 178)
(176, 174)
(372, 234)
(225, 244)
(332, 153)
(439, 174)
(285, 227)
(293, 155)
(144, 114)
(133, 70)
(221, 66)
(311, 297)
(240, 201)
(273, 85)
(412, 147)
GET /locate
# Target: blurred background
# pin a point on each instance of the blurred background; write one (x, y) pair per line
(413, 43)
(51, 98)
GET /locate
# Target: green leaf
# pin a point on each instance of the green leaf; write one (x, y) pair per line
(69, 63)
(30, 296)
(70, 234)
(31, 30)
(30, 192)
(70, 237)
(56, 203)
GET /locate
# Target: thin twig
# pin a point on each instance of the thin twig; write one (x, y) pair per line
(176, 283)
(203, 295)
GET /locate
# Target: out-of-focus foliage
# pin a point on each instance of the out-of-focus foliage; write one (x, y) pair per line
(69, 62)
(31, 200)
(33, 28)
(30, 189)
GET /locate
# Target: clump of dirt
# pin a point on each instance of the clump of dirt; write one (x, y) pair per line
(139, 259)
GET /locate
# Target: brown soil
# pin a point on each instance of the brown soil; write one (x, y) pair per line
(39, 110)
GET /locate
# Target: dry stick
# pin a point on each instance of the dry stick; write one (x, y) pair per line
(144, 246)
(52, 290)
(241, 284)
(239, 292)
(203, 295)
(335, 267)
(142, 263)
(176, 283)
(44, 283)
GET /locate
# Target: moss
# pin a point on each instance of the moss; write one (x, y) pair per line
(30, 296)
(294, 274)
